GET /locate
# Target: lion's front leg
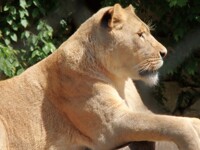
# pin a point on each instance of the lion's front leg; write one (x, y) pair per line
(140, 127)
(171, 146)
(129, 126)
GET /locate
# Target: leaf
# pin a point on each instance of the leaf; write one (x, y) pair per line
(9, 20)
(23, 13)
(14, 26)
(15, 63)
(63, 23)
(13, 37)
(172, 3)
(24, 22)
(20, 71)
(182, 3)
(40, 25)
(178, 33)
(6, 7)
(7, 68)
(35, 13)
(23, 3)
(197, 18)
(7, 71)
(29, 3)
(34, 40)
(191, 67)
(14, 16)
(7, 41)
(46, 50)
(42, 10)
(26, 34)
(35, 53)
(36, 3)
(51, 47)
(26, 12)
(13, 11)
(7, 31)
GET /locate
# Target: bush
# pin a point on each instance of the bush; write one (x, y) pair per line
(22, 28)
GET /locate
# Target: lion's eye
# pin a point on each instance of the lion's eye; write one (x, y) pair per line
(141, 34)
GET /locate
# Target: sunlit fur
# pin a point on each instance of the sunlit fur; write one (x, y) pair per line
(83, 95)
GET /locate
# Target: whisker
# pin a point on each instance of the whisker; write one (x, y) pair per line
(146, 64)
(144, 67)
(139, 64)
(151, 26)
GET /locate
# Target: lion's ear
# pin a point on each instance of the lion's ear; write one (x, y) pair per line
(130, 8)
(114, 17)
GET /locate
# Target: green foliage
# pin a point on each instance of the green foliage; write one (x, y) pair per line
(180, 3)
(18, 21)
(187, 74)
(158, 93)
(40, 45)
(9, 63)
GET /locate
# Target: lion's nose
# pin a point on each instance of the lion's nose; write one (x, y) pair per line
(163, 52)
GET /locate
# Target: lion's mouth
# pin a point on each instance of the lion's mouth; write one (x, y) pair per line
(148, 72)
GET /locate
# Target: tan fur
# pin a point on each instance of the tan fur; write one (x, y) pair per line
(82, 95)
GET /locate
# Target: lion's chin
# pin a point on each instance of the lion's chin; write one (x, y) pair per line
(151, 80)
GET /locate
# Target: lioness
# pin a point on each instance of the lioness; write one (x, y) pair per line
(82, 95)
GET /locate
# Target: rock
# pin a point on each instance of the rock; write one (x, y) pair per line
(193, 110)
(171, 93)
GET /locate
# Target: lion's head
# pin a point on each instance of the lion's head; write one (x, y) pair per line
(125, 45)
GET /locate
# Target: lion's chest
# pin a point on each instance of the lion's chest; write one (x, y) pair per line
(132, 97)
